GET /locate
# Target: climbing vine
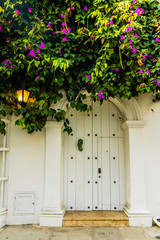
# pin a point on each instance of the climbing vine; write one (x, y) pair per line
(59, 49)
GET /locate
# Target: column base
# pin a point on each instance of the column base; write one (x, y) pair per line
(3, 218)
(52, 218)
(138, 217)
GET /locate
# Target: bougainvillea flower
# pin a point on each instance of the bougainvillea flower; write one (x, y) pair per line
(138, 11)
(107, 23)
(63, 30)
(27, 47)
(91, 36)
(111, 69)
(117, 70)
(7, 40)
(134, 50)
(130, 28)
(59, 51)
(4, 66)
(155, 60)
(111, 22)
(51, 63)
(129, 21)
(42, 45)
(126, 30)
(65, 39)
(130, 46)
(133, 34)
(62, 15)
(144, 57)
(157, 39)
(150, 55)
(53, 33)
(142, 10)
(75, 49)
(134, 2)
(141, 71)
(100, 95)
(156, 81)
(69, 29)
(17, 12)
(130, 42)
(85, 8)
(11, 67)
(136, 36)
(10, 62)
(63, 24)
(5, 61)
(122, 37)
(30, 10)
(38, 77)
(147, 71)
(130, 6)
(89, 76)
(38, 58)
(0, 28)
(89, 83)
(72, 8)
(49, 26)
(38, 51)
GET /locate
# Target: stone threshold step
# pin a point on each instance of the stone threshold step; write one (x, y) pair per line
(95, 218)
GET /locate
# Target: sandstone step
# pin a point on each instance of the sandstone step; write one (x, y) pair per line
(95, 218)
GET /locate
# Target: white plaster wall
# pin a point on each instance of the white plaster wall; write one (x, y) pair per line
(26, 172)
(150, 113)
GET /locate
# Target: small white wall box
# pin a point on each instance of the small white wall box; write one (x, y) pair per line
(157, 221)
(24, 203)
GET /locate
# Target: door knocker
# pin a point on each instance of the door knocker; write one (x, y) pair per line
(79, 144)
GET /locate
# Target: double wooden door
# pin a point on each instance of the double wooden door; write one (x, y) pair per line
(94, 177)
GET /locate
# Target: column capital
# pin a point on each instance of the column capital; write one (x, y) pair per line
(53, 124)
(133, 124)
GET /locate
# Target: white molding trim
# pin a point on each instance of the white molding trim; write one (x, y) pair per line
(3, 217)
(133, 124)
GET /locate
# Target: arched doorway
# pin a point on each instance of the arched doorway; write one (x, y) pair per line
(94, 177)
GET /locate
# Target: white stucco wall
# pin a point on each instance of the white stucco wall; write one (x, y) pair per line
(26, 173)
(27, 161)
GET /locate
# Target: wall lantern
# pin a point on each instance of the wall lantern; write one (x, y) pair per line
(23, 97)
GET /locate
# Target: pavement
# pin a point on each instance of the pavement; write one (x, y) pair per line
(35, 232)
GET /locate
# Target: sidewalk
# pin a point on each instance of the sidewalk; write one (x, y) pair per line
(35, 232)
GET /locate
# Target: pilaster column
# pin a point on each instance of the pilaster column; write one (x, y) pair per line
(135, 208)
(53, 208)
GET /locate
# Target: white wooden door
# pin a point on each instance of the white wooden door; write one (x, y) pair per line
(94, 177)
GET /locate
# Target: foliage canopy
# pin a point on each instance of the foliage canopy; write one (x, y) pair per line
(107, 48)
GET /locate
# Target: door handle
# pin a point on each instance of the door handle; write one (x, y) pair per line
(99, 170)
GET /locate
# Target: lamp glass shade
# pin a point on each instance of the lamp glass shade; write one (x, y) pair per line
(23, 95)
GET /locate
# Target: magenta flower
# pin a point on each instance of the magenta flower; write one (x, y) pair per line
(49, 26)
(75, 49)
(157, 39)
(51, 63)
(150, 55)
(5, 61)
(147, 71)
(130, 28)
(111, 22)
(63, 24)
(53, 33)
(100, 95)
(126, 30)
(17, 12)
(155, 60)
(91, 36)
(156, 81)
(30, 10)
(38, 51)
(129, 21)
(12, 67)
(134, 50)
(89, 76)
(69, 29)
(144, 57)
(38, 58)
(4, 66)
(130, 42)
(133, 34)
(89, 83)
(142, 10)
(107, 23)
(117, 70)
(72, 8)
(131, 46)
(27, 47)
(85, 8)
(134, 2)
(137, 11)
(38, 77)
(62, 15)
(0, 28)
(136, 36)
(64, 39)
(122, 37)
(111, 69)
(10, 62)
(59, 51)
(141, 71)
(42, 45)
(130, 6)
(63, 30)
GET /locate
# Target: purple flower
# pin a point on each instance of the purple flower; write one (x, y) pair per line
(141, 71)
(38, 51)
(130, 42)
(63, 24)
(117, 70)
(144, 57)
(5, 61)
(147, 71)
(51, 63)
(100, 95)
(157, 39)
(63, 30)
(62, 15)
(111, 69)
(150, 55)
(130, 6)
(49, 26)
(12, 67)
(85, 8)
(30, 10)
(155, 60)
(122, 37)
(89, 83)
(69, 29)
(107, 23)
(53, 33)
(10, 62)
(59, 51)
(136, 36)
(126, 30)
(129, 21)
(89, 76)
(17, 12)
(130, 28)
(134, 2)
(134, 50)
(142, 10)
(72, 8)
(42, 45)
(27, 47)
(4, 66)
(64, 39)
(91, 36)
(156, 81)
(111, 22)
(137, 11)
(0, 28)
(38, 58)
(38, 77)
